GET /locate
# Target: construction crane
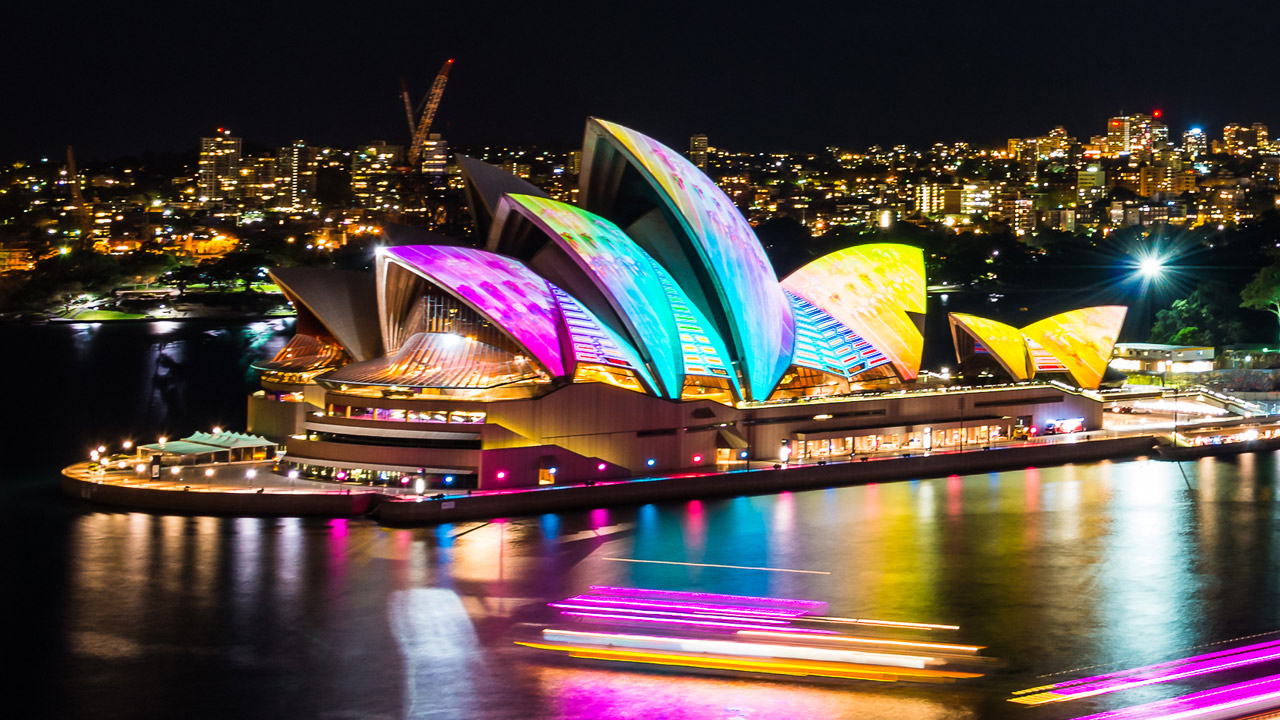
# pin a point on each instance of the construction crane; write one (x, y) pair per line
(82, 210)
(428, 113)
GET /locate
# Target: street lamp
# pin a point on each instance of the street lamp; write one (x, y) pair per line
(1150, 267)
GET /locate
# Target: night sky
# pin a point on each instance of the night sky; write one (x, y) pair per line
(121, 78)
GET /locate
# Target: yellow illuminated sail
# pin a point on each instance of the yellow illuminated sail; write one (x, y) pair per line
(1004, 342)
(1081, 340)
(871, 288)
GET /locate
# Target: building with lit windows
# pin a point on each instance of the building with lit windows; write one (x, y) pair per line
(1131, 134)
(698, 151)
(257, 181)
(435, 156)
(643, 331)
(1240, 140)
(375, 180)
(1155, 359)
(295, 176)
(1195, 142)
(218, 168)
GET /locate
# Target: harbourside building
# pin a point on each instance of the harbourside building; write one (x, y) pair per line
(642, 332)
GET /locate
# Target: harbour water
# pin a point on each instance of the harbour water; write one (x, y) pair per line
(1059, 571)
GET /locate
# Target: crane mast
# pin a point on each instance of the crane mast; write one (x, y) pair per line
(408, 106)
(428, 114)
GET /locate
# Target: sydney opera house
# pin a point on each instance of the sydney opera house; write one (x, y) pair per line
(643, 332)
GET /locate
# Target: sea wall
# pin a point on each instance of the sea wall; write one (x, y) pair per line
(756, 482)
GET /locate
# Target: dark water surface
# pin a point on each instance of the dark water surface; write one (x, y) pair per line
(131, 615)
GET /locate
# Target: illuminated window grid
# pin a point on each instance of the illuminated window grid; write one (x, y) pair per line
(700, 358)
(824, 343)
(591, 344)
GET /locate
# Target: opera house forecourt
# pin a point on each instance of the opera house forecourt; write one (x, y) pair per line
(643, 333)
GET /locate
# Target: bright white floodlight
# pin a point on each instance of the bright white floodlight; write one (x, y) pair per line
(1150, 267)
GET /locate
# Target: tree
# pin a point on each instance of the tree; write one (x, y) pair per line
(1263, 291)
(1201, 318)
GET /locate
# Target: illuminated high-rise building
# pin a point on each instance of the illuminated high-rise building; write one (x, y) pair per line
(435, 156)
(1233, 138)
(1091, 182)
(258, 181)
(295, 176)
(218, 169)
(1159, 135)
(937, 199)
(976, 198)
(374, 182)
(1129, 134)
(1240, 140)
(698, 151)
(1195, 142)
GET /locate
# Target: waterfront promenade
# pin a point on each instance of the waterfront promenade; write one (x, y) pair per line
(252, 488)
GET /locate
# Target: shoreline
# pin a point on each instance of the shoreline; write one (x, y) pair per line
(257, 317)
(390, 510)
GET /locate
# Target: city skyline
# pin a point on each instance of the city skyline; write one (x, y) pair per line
(126, 81)
(1199, 138)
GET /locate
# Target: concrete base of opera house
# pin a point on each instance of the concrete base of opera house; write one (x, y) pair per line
(392, 510)
(403, 511)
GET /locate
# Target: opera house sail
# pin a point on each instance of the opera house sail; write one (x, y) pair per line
(643, 332)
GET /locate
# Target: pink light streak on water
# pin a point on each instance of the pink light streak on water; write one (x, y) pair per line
(1172, 669)
(1227, 701)
(696, 607)
(696, 623)
(670, 613)
(808, 605)
(1169, 675)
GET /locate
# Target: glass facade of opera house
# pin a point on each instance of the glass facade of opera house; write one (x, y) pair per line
(643, 332)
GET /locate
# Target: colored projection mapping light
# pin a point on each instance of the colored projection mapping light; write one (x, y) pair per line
(1080, 339)
(635, 285)
(744, 634)
(743, 281)
(595, 344)
(702, 347)
(826, 344)
(1003, 342)
(510, 295)
(1229, 701)
(1175, 670)
(870, 289)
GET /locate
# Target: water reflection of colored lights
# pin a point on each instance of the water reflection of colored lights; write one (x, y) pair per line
(665, 613)
(693, 606)
(1151, 674)
(1229, 701)
(762, 665)
(734, 648)
(740, 600)
(679, 621)
(772, 636)
(887, 623)
(942, 647)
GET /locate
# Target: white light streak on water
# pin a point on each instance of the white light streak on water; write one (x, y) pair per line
(445, 676)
